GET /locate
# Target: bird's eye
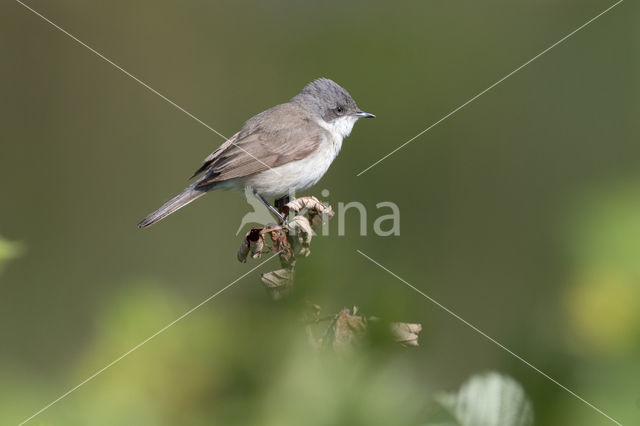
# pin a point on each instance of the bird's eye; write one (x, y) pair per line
(339, 109)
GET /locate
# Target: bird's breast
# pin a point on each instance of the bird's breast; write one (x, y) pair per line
(296, 175)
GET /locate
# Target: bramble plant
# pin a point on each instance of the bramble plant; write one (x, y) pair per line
(292, 239)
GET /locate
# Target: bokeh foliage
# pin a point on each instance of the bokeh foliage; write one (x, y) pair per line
(519, 212)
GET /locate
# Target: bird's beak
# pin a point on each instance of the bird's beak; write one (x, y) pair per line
(360, 113)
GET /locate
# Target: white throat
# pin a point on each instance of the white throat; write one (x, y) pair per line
(341, 127)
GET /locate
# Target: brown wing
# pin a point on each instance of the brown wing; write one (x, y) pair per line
(207, 161)
(270, 139)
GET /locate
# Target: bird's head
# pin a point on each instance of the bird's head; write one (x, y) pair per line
(332, 104)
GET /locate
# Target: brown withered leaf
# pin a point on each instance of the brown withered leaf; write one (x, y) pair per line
(300, 234)
(252, 244)
(299, 204)
(348, 329)
(279, 241)
(256, 242)
(278, 283)
(287, 241)
(243, 251)
(317, 212)
(405, 333)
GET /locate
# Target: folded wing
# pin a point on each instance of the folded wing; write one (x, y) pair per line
(288, 135)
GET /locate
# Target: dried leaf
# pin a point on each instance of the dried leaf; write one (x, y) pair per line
(302, 203)
(317, 220)
(301, 233)
(348, 329)
(317, 212)
(279, 240)
(252, 244)
(405, 333)
(278, 283)
(278, 278)
(243, 252)
(301, 225)
(287, 241)
(256, 242)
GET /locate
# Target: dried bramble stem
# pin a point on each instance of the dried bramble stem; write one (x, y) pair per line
(293, 238)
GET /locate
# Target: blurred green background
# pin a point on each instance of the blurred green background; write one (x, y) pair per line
(521, 212)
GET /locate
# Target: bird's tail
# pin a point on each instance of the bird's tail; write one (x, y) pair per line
(185, 197)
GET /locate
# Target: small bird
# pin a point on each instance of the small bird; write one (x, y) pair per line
(279, 151)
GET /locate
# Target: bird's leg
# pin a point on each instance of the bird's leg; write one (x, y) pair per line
(272, 210)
